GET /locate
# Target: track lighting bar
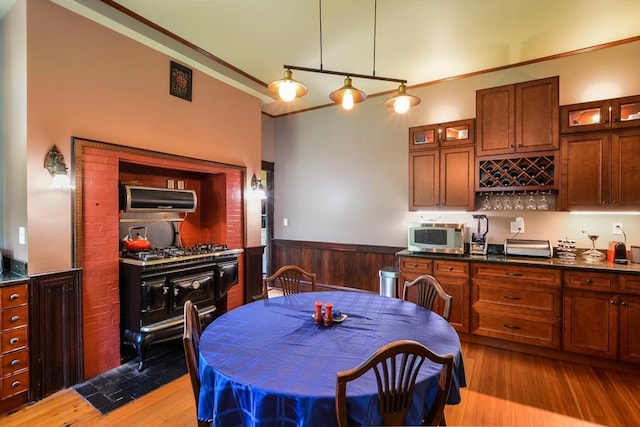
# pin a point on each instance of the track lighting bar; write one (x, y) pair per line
(342, 73)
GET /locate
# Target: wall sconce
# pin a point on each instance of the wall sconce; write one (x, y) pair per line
(54, 163)
(258, 189)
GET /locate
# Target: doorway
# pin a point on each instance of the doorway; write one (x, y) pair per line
(266, 235)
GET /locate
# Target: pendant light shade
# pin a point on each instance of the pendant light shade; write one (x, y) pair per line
(287, 88)
(402, 101)
(347, 95)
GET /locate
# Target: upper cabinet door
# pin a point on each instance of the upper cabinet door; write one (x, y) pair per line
(537, 109)
(625, 112)
(519, 118)
(495, 120)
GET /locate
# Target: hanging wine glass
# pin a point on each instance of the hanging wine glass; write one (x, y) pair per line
(519, 204)
(507, 206)
(497, 204)
(531, 203)
(543, 205)
(486, 203)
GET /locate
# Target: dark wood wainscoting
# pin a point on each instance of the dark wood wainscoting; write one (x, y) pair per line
(56, 332)
(354, 266)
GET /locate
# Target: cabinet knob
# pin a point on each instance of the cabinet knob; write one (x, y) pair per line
(588, 281)
(14, 362)
(14, 319)
(13, 341)
(624, 303)
(14, 297)
(450, 268)
(614, 202)
(613, 302)
(15, 384)
(415, 265)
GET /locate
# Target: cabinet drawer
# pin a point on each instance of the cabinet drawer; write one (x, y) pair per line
(15, 384)
(13, 296)
(13, 340)
(450, 268)
(414, 264)
(630, 283)
(517, 274)
(537, 301)
(13, 318)
(14, 362)
(586, 280)
(544, 332)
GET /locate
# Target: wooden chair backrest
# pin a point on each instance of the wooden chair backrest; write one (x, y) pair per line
(428, 288)
(288, 278)
(396, 366)
(191, 343)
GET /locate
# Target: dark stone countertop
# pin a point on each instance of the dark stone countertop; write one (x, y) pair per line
(579, 263)
(8, 278)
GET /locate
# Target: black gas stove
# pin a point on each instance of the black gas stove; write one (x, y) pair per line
(155, 284)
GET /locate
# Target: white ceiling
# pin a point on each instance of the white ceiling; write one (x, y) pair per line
(420, 41)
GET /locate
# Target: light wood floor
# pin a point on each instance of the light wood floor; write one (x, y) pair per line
(503, 389)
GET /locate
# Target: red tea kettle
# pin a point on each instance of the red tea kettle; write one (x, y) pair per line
(138, 242)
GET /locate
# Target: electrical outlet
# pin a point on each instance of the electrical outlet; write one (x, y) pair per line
(617, 228)
(517, 226)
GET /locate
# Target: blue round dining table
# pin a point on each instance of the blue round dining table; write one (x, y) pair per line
(268, 364)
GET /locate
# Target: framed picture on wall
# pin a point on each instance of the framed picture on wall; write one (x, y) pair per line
(180, 81)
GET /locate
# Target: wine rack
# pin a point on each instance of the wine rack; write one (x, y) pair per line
(517, 174)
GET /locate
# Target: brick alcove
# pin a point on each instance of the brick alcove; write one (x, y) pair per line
(98, 168)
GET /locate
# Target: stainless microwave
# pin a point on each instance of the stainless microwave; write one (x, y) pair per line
(436, 238)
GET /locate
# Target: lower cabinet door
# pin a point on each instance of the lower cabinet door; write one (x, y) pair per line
(590, 323)
(630, 328)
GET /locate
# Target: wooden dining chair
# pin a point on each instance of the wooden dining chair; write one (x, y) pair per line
(191, 342)
(288, 278)
(428, 289)
(396, 366)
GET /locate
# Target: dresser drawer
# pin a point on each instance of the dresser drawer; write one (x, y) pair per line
(586, 280)
(13, 318)
(14, 362)
(15, 384)
(518, 299)
(13, 296)
(539, 331)
(14, 339)
(450, 268)
(416, 265)
(630, 283)
(516, 274)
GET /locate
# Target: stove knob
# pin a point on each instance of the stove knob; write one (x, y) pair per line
(195, 284)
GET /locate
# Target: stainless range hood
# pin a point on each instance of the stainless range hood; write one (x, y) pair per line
(150, 199)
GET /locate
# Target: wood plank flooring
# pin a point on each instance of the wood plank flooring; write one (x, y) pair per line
(504, 388)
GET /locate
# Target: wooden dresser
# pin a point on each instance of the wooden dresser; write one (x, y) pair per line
(14, 346)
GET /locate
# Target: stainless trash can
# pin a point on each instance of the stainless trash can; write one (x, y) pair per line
(389, 282)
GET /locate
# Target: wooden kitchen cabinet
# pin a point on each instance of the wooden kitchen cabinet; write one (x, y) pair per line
(518, 118)
(519, 304)
(56, 353)
(460, 132)
(441, 179)
(618, 113)
(600, 170)
(602, 315)
(14, 346)
(454, 278)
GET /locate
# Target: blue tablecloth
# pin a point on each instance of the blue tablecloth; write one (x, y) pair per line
(268, 364)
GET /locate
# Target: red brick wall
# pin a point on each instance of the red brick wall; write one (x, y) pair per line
(100, 245)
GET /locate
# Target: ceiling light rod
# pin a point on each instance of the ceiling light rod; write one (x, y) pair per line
(342, 73)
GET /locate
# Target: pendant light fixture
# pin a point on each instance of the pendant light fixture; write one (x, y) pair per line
(288, 89)
(401, 101)
(347, 95)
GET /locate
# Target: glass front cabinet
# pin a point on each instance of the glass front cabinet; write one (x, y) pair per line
(618, 113)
